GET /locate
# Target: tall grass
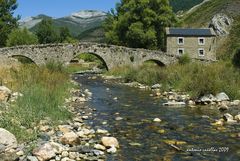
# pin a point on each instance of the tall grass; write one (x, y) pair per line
(196, 78)
(44, 90)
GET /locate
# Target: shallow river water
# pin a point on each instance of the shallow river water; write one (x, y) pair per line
(142, 139)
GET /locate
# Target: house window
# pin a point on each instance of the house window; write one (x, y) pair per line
(180, 40)
(201, 41)
(180, 51)
(201, 52)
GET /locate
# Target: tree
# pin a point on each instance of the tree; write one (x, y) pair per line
(21, 37)
(7, 21)
(139, 24)
(64, 34)
(46, 32)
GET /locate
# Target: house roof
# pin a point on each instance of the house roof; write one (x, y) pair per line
(205, 32)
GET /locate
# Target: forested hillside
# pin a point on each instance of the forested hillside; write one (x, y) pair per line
(183, 5)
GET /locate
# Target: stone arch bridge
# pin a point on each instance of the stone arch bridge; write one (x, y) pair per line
(111, 55)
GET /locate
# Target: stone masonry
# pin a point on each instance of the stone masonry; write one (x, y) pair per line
(113, 56)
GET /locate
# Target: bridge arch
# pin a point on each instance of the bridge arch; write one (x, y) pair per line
(23, 59)
(158, 62)
(98, 56)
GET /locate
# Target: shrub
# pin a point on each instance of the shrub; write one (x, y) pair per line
(21, 37)
(54, 66)
(184, 59)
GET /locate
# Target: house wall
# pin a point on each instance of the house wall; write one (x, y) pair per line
(191, 46)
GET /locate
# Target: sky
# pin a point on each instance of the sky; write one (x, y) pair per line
(60, 8)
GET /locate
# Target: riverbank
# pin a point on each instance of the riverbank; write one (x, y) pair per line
(44, 124)
(197, 79)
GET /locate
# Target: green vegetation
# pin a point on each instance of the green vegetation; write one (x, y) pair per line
(184, 59)
(44, 90)
(195, 78)
(7, 21)
(21, 37)
(231, 44)
(92, 35)
(46, 32)
(139, 24)
(183, 5)
(202, 16)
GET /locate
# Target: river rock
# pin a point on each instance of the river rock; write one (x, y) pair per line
(227, 117)
(98, 152)
(112, 150)
(73, 155)
(222, 97)
(174, 103)
(207, 99)
(7, 139)
(100, 131)
(32, 158)
(70, 138)
(191, 103)
(58, 148)
(65, 154)
(235, 103)
(223, 107)
(99, 147)
(44, 152)
(218, 123)
(118, 118)
(65, 128)
(20, 153)
(156, 86)
(237, 117)
(5, 94)
(157, 120)
(110, 142)
(8, 156)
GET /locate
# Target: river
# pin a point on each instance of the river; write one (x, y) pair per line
(142, 139)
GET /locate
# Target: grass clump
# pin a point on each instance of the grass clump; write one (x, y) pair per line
(44, 90)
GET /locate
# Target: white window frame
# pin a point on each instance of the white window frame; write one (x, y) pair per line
(179, 50)
(199, 52)
(199, 42)
(179, 39)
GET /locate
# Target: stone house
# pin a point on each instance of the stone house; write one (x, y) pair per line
(197, 43)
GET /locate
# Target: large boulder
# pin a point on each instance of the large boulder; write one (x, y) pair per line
(110, 142)
(44, 152)
(5, 94)
(7, 139)
(221, 24)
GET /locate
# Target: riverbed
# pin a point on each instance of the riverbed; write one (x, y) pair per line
(128, 114)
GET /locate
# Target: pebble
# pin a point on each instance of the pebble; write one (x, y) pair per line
(99, 147)
(157, 120)
(112, 150)
(118, 118)
(20, 153)
(64, 154)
